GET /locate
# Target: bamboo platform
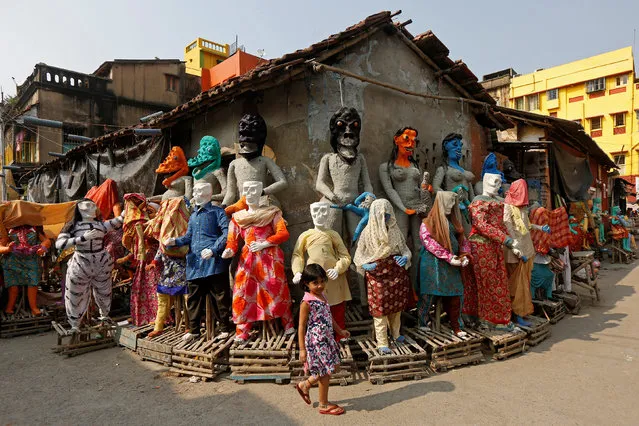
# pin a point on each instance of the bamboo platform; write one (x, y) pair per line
(88, 339)
(264, 356)
(23, 322)
(408, 361)
(572, 301)
(203, 358)
(553, 310)
(358, 320)
(504, 344)
(538, 331)
(343, 377)
(583, 260)
(128, 335)
(160, 348)
(447, 350)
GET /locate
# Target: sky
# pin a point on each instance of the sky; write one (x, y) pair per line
(487, 35)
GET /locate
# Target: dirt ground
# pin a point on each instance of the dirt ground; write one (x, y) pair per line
(585, 373)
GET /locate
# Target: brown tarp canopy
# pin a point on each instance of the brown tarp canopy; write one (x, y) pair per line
(50, 216)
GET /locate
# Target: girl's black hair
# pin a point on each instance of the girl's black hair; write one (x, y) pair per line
(313, 272)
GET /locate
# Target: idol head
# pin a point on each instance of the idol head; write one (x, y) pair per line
(491, 183)
(319, 213)
(452, 145)
(252, 191)
(152, 209)
(345, 126)
(406, 142)
(208, 159)
(510, 171)
(202, 193)
(449, 200)
(252, 131)
(87, 209)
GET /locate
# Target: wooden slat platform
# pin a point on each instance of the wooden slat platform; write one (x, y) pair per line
(128, 335)
(343, 377)
(24, 322)
(160, 348)
(553, 310)
(447, 350)
(569, 299)
(583, 260)
(358, 320)
(538, 331)
(264, 356)
(504, 344)
(88, 339)
(206, 359)
(408, 361)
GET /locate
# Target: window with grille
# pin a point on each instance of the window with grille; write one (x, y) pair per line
(532, 102)
(68, 144)
(595, 123)
(172, 83)
(620, 119)
(552, 94)
(621, 80)
(596, 85)
(26, 146)
(519, 103)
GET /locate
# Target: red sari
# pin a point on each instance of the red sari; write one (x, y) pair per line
(486, 238)
(261, 290)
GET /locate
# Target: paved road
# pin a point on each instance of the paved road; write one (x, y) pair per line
(586, 373)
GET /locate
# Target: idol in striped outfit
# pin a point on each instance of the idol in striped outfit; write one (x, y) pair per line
(91, 265)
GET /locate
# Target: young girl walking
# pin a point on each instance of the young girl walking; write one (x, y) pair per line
(318, 348)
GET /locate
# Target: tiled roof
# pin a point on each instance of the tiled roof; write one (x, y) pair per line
(279, 70)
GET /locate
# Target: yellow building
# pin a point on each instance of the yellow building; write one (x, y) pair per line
(203, 53)
(600, 92)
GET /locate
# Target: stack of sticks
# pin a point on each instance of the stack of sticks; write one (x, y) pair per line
(408, 360)
(446, 349)
(342, 377)
(88, 339)
(502, 343)
(206, 358)
(264, 356)
(538, 331)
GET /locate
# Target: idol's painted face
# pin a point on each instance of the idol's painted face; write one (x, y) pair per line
(492, 185)
(406, 143)
(449, 203)
(319, 213)
(87, 209)
(454, 149)
(252, 191)
(202, 193)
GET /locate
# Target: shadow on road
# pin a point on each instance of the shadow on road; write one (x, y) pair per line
(595, 318)
(381, 400)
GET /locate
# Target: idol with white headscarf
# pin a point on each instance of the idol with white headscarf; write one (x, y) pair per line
(382, 252)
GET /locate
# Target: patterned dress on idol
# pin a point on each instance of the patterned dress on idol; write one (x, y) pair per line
(487, 236)
(321, 347)
(261, 290)
(21, 267)
(144, 248)
(389, 288)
